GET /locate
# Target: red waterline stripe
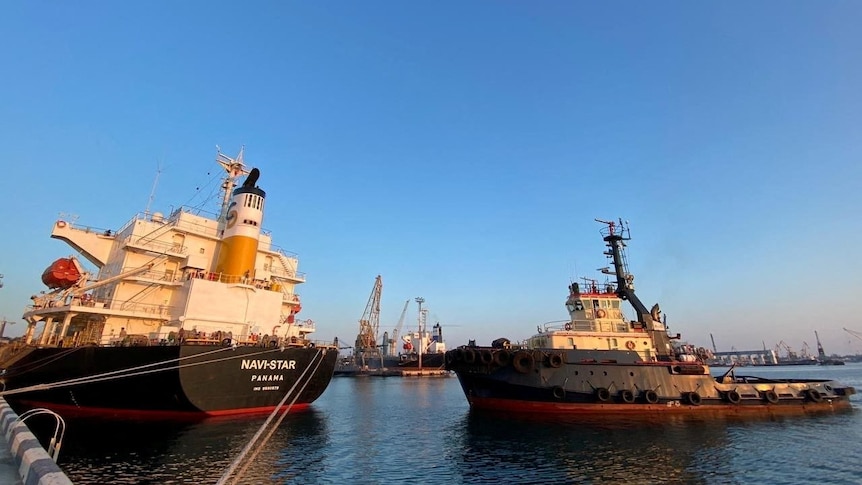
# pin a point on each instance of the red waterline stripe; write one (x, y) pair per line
(65, 409)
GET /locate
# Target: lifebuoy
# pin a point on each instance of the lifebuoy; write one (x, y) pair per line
(603, 395)
(601, 313)
(650, 396)
(61, 224)
(555, 360)
(502, 358)
(732, 396)
(630, 345)
(693, 398)
(523, 361)
(568, 326)
(814, 395)
(770, 396)
(627, 396)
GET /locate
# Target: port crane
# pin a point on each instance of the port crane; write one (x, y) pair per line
(806, 350)
(783, 345)
(821, 354)
(853, 333)
(366, 341)
(390, 343)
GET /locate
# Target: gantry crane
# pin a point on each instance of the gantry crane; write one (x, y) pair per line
(369, 324)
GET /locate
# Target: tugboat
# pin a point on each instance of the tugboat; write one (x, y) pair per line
(188, 314)
(598, 362)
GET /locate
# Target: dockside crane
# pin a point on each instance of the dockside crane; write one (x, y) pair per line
(820, 352)
(366, 341)
(783, 345)
(853, 333)
(391, 343)
(806, 350)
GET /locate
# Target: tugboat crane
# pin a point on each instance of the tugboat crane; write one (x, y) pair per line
(615, 235)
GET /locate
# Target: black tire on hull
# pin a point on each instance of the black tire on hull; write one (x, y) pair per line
(603, 395)
(650, 396)
(502, 358)
(693, 398)
(558, 392)
(523, 362)
(486, 357)
(732, 397)
(555, 360)
(627, 396)
(813, 395)
(469, 356)
(770, 396)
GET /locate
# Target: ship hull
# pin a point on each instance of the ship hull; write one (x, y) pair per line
(163, 380)
(576, 382)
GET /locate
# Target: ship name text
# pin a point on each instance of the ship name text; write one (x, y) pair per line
(263, 364)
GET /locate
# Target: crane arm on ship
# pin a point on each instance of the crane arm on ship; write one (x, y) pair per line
(615, 235)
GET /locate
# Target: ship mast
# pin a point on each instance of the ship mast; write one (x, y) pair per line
(235, 168)
(614, 238)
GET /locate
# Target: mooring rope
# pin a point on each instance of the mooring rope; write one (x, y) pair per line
(230, 470)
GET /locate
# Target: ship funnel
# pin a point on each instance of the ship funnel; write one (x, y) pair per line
(238, 249)
(251, 180)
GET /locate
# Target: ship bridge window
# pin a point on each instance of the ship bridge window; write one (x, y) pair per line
(615, 304)
(595, 304)
(579, 305)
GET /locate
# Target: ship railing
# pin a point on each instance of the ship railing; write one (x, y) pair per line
(156, 246)
(89, 229)
(148, 308)
(174, 219)
(285, 273)
(590, 326)
(150, 274)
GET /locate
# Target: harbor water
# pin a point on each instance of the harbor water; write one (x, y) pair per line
(393, 430)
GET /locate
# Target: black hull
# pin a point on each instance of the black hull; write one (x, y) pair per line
(580, 382)
(188, 379)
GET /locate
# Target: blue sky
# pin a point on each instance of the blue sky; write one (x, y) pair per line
(462, 150)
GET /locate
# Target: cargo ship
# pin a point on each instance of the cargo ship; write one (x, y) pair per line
(189, 314)
(600, 362)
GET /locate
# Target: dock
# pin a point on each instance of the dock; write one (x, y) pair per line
(394, 373)
(23, 460)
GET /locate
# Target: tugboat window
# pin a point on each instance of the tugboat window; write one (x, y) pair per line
(579, 305)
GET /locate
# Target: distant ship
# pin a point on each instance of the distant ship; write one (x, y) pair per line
(189, 314)
(599, 362)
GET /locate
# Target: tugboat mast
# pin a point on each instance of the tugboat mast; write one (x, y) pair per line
(614, 237)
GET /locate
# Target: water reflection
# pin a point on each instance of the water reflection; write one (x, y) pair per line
(585, 451)
(148, 452)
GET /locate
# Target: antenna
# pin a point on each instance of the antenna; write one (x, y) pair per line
(155, 184)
